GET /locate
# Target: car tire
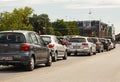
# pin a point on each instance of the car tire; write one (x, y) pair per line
(31, 64)
(49, 61)
(99, 51)
(54, 59)
(94, 53)
(68, 54)
(90, 53)
(75, 53)
(65, 55)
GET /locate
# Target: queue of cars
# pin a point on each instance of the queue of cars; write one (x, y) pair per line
(28, 49)
(88, 45)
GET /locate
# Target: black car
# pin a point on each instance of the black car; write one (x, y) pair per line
(23, 48)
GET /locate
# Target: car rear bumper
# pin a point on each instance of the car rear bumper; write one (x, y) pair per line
(78, 50)
(14, 60)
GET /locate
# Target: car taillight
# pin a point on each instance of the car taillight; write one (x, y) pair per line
(69, 43)
(85, 44)
(25, 47)
(97, 43)
(51, 45)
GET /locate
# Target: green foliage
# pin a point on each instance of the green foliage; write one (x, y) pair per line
(20, 19)
(73, 28)
(41, 24)
(17, 20)
(66, 28)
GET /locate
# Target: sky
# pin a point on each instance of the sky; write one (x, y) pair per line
(107, 11)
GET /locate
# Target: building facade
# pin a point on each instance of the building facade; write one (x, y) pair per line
(95, 28)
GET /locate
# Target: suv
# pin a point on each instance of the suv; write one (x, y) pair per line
(57, 48)
(24, 48)
(81, 45)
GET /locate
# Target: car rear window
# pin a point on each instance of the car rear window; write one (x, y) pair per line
(12, 38)
(77, 40)
(46, 39)
(94, 40)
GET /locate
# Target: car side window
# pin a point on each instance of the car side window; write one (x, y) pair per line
(59, 41)
(56, 40)
(40, 40)
(90, 40)
(33, 38)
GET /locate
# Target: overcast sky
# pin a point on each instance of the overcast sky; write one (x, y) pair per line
(107, 11)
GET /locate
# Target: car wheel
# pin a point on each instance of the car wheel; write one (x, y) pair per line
(65, 55)
(68, 54)
(55, 57)
(75, 53)
(99, 51)
(94, 53)
(49, 61)
(90, 53)
(31, 64)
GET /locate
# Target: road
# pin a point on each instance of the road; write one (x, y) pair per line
(102, 67)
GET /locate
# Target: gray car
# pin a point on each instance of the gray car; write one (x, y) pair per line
(23, 48)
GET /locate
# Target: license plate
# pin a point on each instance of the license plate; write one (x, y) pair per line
(6, 58)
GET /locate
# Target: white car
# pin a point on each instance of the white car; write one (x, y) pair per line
(111, 45)
(57, 49)
(84, 45)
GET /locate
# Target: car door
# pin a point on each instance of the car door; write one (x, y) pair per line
(93, 46)
(61, 47)
(37, 50)
(44, 49)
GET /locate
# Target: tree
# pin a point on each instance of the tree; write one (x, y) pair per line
(73, 28)
(66, 28)
(42, 24)
(60, 27)
(17, 20)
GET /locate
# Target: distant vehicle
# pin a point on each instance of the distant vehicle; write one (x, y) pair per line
(112, 40)
(99, 45)
(110, 43)
(82, 45)
(57, 48)
(105, 43)
(64, 40)
(23, 48)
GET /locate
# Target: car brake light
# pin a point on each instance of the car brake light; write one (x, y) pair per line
(85, 44)
(69, 43)
(51, 45)
(97, 43)
(25, 47)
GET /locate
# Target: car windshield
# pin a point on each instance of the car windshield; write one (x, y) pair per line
(46, 39)
(77, 40)
(12, 38)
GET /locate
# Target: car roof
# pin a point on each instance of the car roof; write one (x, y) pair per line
(17, 31)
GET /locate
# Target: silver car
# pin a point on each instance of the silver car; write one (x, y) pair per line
(82, 45)
(57, 48)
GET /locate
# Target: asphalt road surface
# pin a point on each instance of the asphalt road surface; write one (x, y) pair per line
(102, 67)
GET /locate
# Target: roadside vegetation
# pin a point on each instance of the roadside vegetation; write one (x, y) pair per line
(25, 19)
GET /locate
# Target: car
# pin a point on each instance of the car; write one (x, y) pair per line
(23, 48)
(112, 40)
(64, 40)
(105, 43)
(80, 44)
(111, 44)
(99, 44)
(57, 48)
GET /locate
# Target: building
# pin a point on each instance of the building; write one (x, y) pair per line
(95, 28)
